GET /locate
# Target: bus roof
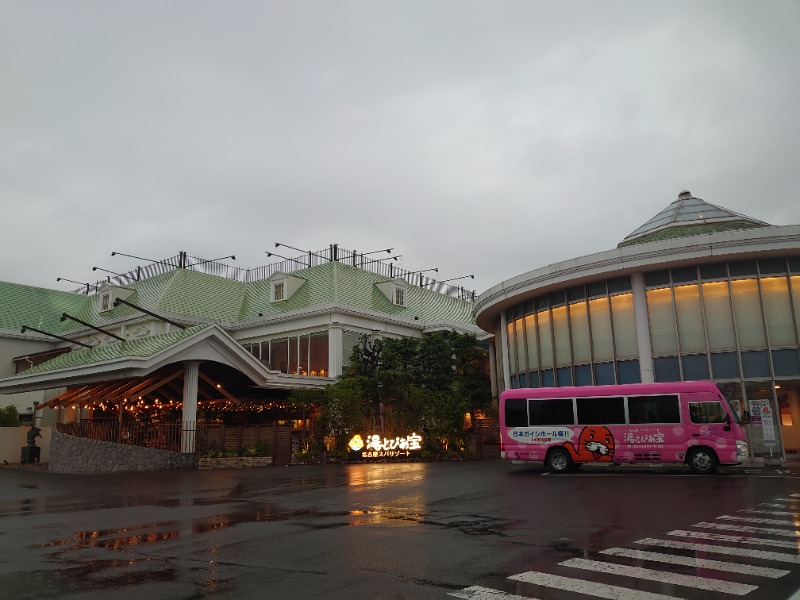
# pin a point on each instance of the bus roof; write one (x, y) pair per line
(612, 390)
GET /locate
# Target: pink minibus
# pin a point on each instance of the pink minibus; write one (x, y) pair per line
(686, 422)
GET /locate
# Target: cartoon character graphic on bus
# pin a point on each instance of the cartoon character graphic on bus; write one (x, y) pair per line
(595, 444)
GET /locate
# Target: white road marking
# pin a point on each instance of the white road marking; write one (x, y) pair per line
(739, 539)
(700, 563)
(746, 529)
(702, 583)
(590, 588)
(794, 514)
(477, 592)
(758, 520)
(732, 551)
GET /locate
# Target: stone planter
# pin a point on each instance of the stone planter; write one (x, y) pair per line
(233, 462)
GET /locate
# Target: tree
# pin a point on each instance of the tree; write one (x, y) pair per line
(9, 416)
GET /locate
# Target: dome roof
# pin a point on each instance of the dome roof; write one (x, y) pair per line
(689, 216)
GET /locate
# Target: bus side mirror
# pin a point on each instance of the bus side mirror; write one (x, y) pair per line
(746, 418)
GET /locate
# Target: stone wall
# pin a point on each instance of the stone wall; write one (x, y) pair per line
(70, 454)
(233, 462)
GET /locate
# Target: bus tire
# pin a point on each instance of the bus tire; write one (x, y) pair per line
(702, 461)
(559, 460)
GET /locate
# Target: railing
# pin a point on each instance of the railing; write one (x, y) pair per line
(164, 436)
(308, 259)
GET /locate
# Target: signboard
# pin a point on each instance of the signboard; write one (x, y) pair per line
(376, 447)
(762, 415)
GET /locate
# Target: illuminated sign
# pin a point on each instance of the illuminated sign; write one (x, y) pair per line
(374, 446)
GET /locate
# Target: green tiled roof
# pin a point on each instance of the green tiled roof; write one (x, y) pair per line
(186, 293)
(690, 230)
(36, 307)
(140, 347)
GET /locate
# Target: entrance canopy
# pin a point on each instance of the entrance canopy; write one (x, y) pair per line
(120, 364)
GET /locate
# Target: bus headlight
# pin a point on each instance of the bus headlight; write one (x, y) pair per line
(741, 448)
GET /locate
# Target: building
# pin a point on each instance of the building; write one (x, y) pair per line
(186, 332)
(697, 292)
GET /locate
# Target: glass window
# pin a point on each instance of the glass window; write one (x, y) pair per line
(657, 278)
(706, 412)
(576, 293)
(772, 266)
(662, 321)
(690, 318)
(583, 375)
(279, 355)
(778, 311)
(522, 363)
(551, 412)
(742, 268)
(725, 365)
(293, 356)
(548, 378)
(794, 264)
(747, 308)
(600, 319)
(558, 298)
(785, 363)
(516, 412)
(533, 379)
(718, 271)
(653, 409)
(512, 346)
(755, 364)
(564, 375)
(628, 371)
(579, 324)
(695, 367)
(532, 343)
(719, 316)
(319, 355)
(523, 380)
(667, 368)
(545, 339)
(514, 383)
(542, 302)
(601, 411)
(561, 335)
(796, 294)
(303, 366)
(619, 285)
(684, 275)
(598, 288)
(604, 374)
(624, 326)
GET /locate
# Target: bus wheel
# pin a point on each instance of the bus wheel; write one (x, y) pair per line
(559, 460)
(702, 461)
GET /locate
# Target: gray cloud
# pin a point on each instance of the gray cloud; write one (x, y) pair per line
(486, 138)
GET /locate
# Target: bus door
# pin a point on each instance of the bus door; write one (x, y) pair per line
(707, 421)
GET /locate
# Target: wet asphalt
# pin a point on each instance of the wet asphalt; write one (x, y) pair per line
(405, 530)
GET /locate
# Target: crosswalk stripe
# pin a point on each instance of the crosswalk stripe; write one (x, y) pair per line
(703, 583)
(794, 514)
(758, 520)
(700, 563)
(477, 592)
(785, 500)
(747, 529)
(795, 495)
(590, 588)
(739, 539)
(731, 550)
(772, 505)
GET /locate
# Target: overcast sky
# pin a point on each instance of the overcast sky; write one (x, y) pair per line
(477, 137)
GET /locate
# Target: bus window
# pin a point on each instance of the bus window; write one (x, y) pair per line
(551, 412)
(516, 413)
(653, 409)
(706, 412)
(601, 411)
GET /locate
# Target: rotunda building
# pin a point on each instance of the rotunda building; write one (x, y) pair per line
(697, 292)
